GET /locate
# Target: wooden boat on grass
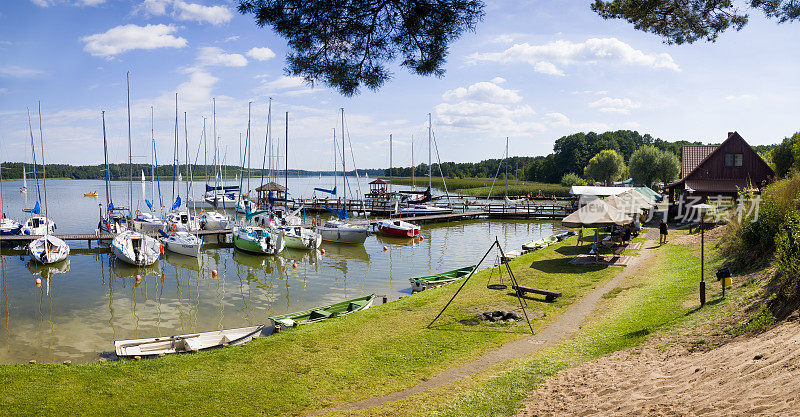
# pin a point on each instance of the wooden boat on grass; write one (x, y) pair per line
(437, 280)
(321, 313)
(193, 342)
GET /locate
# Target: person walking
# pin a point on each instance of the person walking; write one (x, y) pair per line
(662, 238)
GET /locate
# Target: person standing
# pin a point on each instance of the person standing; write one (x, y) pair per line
(662, 239)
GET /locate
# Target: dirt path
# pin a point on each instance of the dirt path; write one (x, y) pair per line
(560, 329)
(755, 376)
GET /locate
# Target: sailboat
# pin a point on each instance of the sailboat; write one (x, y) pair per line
(419, 207)
(132, 247)
(146, 221)
(211, 220)
(249, 238)
(296, 235)
(183, 242)
(8, 226)
(24, 188)
(114, 221)
(47, 249)
(179, 219)
(337, 230)
(36, 225)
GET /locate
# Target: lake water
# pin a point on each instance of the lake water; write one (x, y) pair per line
(88, 301)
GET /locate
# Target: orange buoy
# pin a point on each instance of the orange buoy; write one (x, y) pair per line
(385, 248)
(294, 265)
(38, 282)
(162, 249)
(322, 251)
(162, 279)
(138, 278)
(421, 238)
(214, 273)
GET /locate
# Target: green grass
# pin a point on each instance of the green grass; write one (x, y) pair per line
(479, 187)
(655, 300)
(380, 350)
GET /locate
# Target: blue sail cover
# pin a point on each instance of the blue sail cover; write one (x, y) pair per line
(249, 214)
(177, 203)
(34, 210)
(341, 214)
(333, 191)
(226, 188)
(149, 204)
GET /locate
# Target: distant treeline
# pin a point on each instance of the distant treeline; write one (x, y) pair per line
(13, 170)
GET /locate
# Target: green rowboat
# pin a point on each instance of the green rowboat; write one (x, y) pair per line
(437, 280)
(321, 313)
(541, 243)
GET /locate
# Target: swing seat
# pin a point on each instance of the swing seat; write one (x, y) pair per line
(496, 286)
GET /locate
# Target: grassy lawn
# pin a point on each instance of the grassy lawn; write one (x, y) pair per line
(479, 187)
(380, 350)
(663, 297)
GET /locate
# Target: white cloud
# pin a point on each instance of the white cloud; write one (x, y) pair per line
(3, 91)
(615, 105)
(498, 80)
(125, 38)
(261, 54)
(13, 71)
(285, 83)
(483, 92)
(503, 38)
(155, 7)
(548, 57)
(231, 38)
(557, 119)
(216, 15)
(211, 55)
(91, 2)
(740, 97)
(42, 3)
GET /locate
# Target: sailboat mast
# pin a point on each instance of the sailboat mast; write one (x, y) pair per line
(105, 154)
(344, 173)
(205, 152)
(153, 159)
(249, 107)
(175, 153)
(413, 167)
(130, 147)
(335, 163)
(214, 122)
(286, 161)
(429, 152)
(186, 164)
(506, 166)
(390, 161)
(44, 173)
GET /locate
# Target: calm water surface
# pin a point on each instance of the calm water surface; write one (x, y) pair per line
(88, 301)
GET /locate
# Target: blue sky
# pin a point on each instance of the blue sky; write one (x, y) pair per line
(533, 71)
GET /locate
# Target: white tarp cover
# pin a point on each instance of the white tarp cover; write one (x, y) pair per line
(596, 213)
(592, 190)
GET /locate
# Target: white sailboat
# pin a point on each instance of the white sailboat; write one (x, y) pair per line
(36, 225)
(114, 221)
(24, 188)
(423, 209)
(145, 221)
(129, 246)
(337, 230)
(183, 242)
(47, 249)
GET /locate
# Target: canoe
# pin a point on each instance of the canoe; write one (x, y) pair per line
(442, 278)
(563, 235)
(321, 313)
(541, 243)
(186, 343)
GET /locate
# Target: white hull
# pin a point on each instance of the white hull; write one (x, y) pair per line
(183, 243)
(213, 220)
(35, 226)
(301, 238)
(48, 250)
(188, 342)
(135, 248)
(424, 210)
(339, 232)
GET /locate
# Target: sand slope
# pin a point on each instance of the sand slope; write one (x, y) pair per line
(754, 376)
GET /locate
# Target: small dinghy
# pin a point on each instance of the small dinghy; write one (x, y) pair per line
(9, 227)
(186, 343)
(136, 248)
(437, 280)
(540, 243)
(48, 250)
(183, 243)
(398, 228)
(92, 194)
(321, 313)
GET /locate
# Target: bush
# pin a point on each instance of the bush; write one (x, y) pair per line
(571, 178)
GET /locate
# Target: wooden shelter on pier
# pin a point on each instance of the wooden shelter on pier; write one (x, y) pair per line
(279, 192)
(720, 170)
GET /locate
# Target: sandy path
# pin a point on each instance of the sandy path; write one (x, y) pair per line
(560, 329)
(756, 376)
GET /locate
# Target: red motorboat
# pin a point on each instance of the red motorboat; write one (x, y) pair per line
(398, 228)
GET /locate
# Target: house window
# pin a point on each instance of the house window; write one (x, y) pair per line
(737, 159)
(728, 159)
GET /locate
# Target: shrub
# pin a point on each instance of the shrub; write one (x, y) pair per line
(571, 178)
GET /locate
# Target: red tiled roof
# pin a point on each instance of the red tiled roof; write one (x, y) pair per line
(693, 155)
(379, 181)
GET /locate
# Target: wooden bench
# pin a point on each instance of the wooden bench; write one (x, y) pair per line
(549, 295)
